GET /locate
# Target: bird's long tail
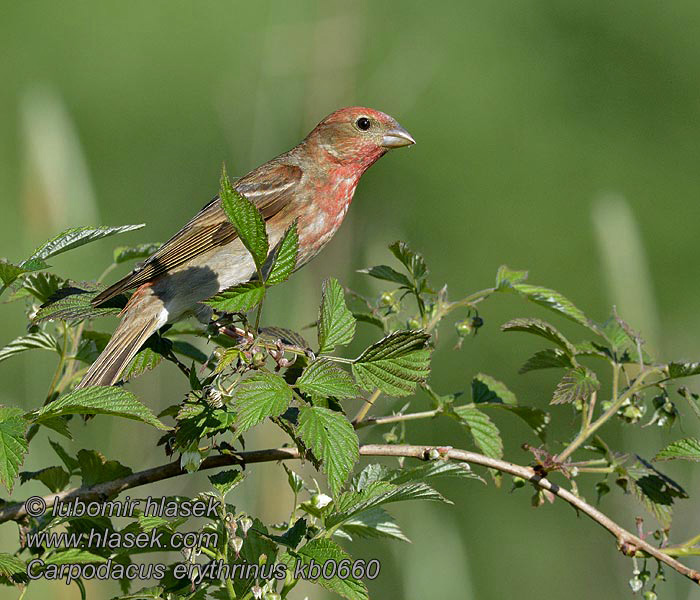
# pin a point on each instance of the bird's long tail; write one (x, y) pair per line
(141, 318)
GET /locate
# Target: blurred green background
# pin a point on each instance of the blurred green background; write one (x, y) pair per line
(560, 137)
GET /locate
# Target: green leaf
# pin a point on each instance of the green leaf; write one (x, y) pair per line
(74, 304)
(374, 523)
(261, 396)
(13, 444)
(376, 494)
(430, 470)
(54, 478)
(332, 439)
(95, 468)
(105, 400)
(414, 262)
(550, 358)
(225, 481)
(577, 384)
(553, 301)
(483, 430)
(239, 298)
(9, 272)
(686, 449)
(72, 556)
(285, 258)
(506, 277)
(488, 389)
(324, 550)
(148, 358)
(42, 285)
(386, 273)
(683, 369)
(534, 417)
(336, 325)
(395, 364)
(75, 237)
(40, 339)
(246, 219)
(11, 565)
(542, 329)
(124, 254)
(70, 462)
(323, 378)
(651, 487)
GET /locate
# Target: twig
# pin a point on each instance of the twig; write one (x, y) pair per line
(628, 543)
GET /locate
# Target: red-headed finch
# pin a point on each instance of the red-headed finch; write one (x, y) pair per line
(313, 183)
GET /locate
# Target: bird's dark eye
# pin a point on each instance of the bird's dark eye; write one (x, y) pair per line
(363, 123)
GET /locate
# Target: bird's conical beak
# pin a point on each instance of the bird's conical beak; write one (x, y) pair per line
(397, 137)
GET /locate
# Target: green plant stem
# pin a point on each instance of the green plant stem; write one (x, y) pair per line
(427, 414)
(366, 406)
(445, 309)
(61, 363)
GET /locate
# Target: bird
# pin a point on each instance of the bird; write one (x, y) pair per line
(312, 184)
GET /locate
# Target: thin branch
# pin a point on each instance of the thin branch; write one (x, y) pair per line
(628, 543)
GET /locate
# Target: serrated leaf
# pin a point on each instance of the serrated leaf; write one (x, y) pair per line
(577, 384)
(75, 237)
(379, 493)
(124, 254)
(487, 389)
(654, 489)
(74, 304)
(414, 262)
(323, 378)
(336, 325)
(148, 358)
(70, 462)
(395, 364)
(54, 478)
(552, 300)
(374, 523)
(482, 429)
(72, 556)
(285, 258)
(95, 468)
(332, 439)
(542, 329)
(42, 285)
(240, 298)
(13, 444)
(293, 536)
(324, 550)
(246, 219)
(506, 277)
(10, 272)
(39, 340)
(225, 481)
(534, 417)
(430, 470)
(100, 400)
(550, 358)
(686, 449)
(261, 396)
(386, 273)
(682, 369)
(11, 565)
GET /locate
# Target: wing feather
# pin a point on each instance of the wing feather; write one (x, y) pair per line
(269, 187)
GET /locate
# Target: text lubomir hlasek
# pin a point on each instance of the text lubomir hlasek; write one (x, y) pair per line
(158, 507)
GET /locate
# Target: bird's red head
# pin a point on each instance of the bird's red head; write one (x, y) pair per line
(355, 137)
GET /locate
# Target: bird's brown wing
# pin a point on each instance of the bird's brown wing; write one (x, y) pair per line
(268, 187)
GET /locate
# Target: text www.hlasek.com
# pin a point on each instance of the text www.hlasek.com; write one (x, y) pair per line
(157, 539)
